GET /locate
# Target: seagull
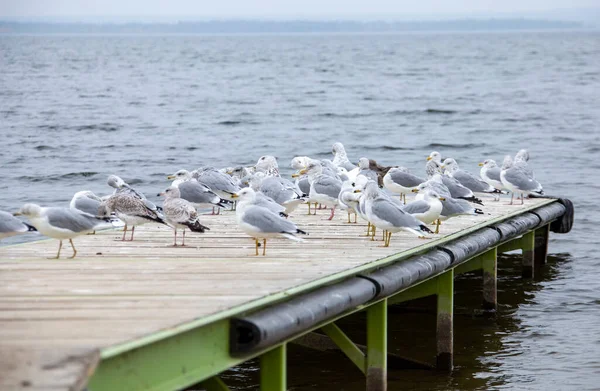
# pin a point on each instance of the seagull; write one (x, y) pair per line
(451, 207)
(386, 215)
(131, 210)
(456, 189)
(11, 226)
(198, 194)
(518, 180)
(261, 223)
(121, 186)
(323, 189)
(86, 201)
(180, 213)
(400, 180)
(490, 173)
(61, 223)
(427, 209)
(468, 180)
(340, 158)
(220, 183)
(348, 199)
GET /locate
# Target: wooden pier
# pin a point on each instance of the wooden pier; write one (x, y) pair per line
(143, 315)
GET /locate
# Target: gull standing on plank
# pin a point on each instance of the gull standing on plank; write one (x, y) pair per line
(220, 183)
(180, 213)
(299, 163)
(468, 180)
(454, 186)
(386, 215)
(323, 189)
(11, 226)
(281, 190)
(490, 173)
(198, 194)
(131, 210)
(348, 199)
(121, 186)
(436, 158)
(340, 158)
(61, 223)
(451, 207)
(521, 159)
(428, 209)
(518, 181)
(260, 223)
(400, 180)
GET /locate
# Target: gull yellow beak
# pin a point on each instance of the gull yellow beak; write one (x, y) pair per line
(228, 172)
(171, 177)
(415, 190)
(429, 158)
(358, 191)
(480, 164)
(17, 214)
(442, 166)
(235, 196)
(161, 194)
(295, 175)
(442, 198)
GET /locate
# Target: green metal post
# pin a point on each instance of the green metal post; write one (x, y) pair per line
(528, 246)
(445, 310)
(541, 245)
(377, 346)
(273, 369)
(490, 274)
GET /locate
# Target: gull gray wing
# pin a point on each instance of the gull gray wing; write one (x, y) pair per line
(328, 186)
(87, 205)
(406, 179)
(387, 211)
(455, 188)
(216, 180)
(197, 193)
(9, 223)
(180, 211)
(454, 207)
(494, 173)
(266, 221)
(418, 206)
(521, 180)
(71, 219)
(471, 182)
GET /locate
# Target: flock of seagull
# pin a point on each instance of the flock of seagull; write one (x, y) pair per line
(263, 200)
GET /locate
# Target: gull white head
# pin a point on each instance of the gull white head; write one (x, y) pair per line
(29, 210)
(363, 163)
(450, 165)
(115, 181)
(170, 193)
(488, 163)
(522, 156)
(432, 168)
(268, 165)
(360, 182)
(313, 169)
(86, 194)
(182, 175)
(371, 190)
(430, 193)
(435, 156)
(338, 149)
(247, 194)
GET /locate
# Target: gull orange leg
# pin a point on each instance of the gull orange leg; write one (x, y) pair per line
(264, 246)
(124, 232)
(59, 247)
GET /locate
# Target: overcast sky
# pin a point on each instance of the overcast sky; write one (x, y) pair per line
(157, 9)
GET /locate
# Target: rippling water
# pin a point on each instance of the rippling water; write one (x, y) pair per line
(74, 109)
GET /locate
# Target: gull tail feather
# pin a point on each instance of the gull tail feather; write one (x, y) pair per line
(30, 228)
(473, 199)
(195, 226)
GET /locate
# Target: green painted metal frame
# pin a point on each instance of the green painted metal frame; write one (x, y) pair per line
(202, 350)
(346, 345)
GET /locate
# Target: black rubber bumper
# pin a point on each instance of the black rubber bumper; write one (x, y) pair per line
(280, 322)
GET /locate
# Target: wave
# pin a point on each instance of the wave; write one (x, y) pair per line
(440, 111)
(103, 127)
(455, 146)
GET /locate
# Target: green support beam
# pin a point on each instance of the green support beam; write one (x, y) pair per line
(445, 312)
(528, 246)
(214, 384)
(377, 346)
(273, 370)
(474, 263)
(346, 345)
(542, 236)
(423, 289)
(490, 282)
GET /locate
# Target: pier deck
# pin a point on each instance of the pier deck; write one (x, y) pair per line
(62, 320)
